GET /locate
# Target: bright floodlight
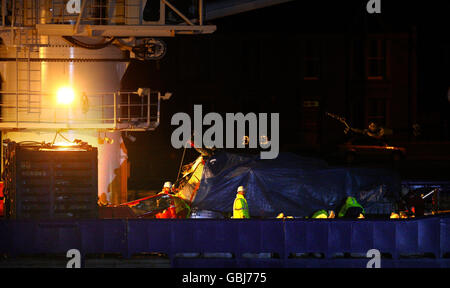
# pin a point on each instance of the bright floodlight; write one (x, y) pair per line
(65, 95)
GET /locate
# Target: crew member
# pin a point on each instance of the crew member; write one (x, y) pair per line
(374, 131)
(351, 209)
(323, 214)
(240, 207)
(170, 212)
(412, 204)
(167, 188)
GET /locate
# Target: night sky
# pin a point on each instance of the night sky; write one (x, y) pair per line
(208, 70)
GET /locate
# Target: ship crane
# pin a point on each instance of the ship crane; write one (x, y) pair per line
(62, 61)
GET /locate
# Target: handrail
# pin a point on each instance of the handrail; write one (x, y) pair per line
(104, 108)
(89, 13)
(282, 238)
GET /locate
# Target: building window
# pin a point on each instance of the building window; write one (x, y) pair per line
(376, 59)
(312, 60)
(251, 59)
(377, 111)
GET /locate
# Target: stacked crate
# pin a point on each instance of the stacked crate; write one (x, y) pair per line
(52, 183)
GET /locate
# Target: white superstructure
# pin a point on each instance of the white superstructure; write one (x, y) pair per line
(82, 47)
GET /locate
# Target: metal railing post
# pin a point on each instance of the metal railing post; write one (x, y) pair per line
(141, 14)
(200, 12)
(3, 12)
(162, 14)
(129, 107)
(115, 110)
(13, 14)
(148, 108)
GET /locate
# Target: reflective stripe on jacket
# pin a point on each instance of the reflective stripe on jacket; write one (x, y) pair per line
(320, 214)
(240, 207)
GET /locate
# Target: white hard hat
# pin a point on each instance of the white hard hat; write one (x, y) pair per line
(241, 189)
(168, 184)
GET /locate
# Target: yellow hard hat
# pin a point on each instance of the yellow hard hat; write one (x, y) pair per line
(394, 215)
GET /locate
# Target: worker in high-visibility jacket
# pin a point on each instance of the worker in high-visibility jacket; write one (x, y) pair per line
(170, 212)
(351, 209)
(240, 206)
(167, 188)
(323, 214)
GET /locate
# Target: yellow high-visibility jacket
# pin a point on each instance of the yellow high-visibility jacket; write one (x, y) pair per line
(240, 207)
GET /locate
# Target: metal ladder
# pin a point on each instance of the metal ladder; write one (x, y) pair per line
(28, 72)
(29, 78)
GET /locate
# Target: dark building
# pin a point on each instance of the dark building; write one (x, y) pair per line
(302, 60)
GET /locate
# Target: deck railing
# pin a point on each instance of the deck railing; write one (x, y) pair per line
(422, 242)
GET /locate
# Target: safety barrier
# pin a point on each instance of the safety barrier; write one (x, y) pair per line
(109, 110)
(240, 243)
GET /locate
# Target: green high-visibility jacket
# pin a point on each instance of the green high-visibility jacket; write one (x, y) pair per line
(350, 202)
(320, 214)
(240, 207)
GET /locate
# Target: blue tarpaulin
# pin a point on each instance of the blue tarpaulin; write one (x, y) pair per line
(294, 185)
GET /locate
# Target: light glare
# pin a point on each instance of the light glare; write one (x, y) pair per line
(65, 95)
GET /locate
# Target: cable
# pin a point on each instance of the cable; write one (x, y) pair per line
(81, 44)
(56, 135)
(181, 164)
(28, 142)
(62, 136)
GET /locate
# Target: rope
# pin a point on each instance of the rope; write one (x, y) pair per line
(181, 164)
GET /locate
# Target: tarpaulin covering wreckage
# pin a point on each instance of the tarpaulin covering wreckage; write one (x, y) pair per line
(291, 184)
